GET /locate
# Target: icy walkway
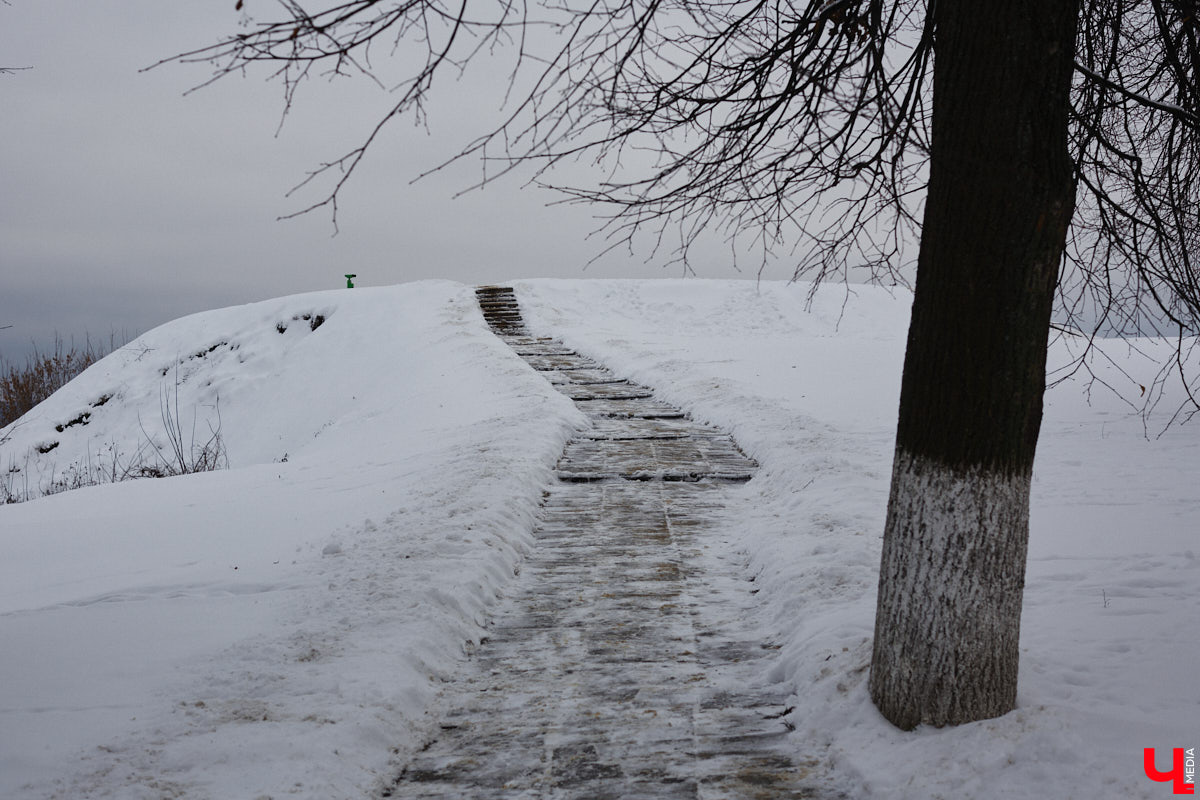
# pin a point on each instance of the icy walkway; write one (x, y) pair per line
(620, 671)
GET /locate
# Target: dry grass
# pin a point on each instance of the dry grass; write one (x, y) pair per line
(43, 374)
(22, 388)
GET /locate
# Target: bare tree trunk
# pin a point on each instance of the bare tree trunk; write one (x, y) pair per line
(1001, 194)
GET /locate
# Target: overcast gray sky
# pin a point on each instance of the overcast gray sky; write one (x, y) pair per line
(125, 203)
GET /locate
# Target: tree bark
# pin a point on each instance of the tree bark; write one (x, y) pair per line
(1001, 194)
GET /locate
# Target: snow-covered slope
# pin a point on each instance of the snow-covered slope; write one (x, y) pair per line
(277, 628)
(280, 625)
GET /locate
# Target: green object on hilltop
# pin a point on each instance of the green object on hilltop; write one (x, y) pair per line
(349, 281)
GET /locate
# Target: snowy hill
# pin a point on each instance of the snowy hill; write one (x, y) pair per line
(280, 627)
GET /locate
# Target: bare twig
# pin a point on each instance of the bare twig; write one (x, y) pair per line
(789, 128)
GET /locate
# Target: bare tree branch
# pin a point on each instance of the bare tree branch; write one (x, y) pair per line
(796, 128)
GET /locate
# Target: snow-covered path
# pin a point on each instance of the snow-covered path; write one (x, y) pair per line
(624, 668)
(284, 628)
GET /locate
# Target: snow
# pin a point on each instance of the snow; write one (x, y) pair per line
(279, 628)
(148, 623)
(1108, 642)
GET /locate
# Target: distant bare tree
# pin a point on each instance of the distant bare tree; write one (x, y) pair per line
(1050, 150)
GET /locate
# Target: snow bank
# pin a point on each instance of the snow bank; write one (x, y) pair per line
(277, 626)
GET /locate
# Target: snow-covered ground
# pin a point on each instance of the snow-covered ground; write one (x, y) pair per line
(278, 628)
